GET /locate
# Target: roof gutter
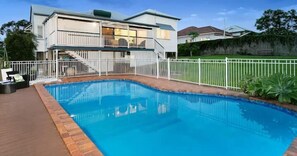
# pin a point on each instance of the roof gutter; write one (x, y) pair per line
(96, 18)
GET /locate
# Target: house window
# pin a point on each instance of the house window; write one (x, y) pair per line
(163, 34)
(40, 31)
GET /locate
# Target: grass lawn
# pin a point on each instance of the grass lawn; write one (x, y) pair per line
(237, 56)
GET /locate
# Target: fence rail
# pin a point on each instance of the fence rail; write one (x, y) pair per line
(226, 73)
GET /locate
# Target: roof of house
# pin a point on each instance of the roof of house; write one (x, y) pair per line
(47, 11)
(201, 30)
(235, 28)
(153, 12)
(91, 16)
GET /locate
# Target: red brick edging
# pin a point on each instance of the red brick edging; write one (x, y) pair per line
(76, 141)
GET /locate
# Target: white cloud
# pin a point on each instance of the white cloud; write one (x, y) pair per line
(227, 12)
(219, 19)
(193, 15)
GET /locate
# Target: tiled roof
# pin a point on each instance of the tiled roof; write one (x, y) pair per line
(201, 30)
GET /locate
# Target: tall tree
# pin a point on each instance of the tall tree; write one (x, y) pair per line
(20, 45)
(13, 26)
(292, 20)
(277, 22)
(192, 35)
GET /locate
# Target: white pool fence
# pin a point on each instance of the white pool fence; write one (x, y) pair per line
(226, 73)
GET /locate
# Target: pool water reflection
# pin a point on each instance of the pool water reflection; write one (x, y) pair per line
(127, 118)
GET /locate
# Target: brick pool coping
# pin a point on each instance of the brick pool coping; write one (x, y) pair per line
(76, 141)
(82, 145)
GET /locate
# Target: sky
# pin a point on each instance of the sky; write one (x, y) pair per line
(192, 12)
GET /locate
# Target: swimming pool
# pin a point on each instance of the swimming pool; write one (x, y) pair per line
(128, 118)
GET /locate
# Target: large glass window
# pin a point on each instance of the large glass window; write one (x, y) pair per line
(107, 31)
(163, 34)
(40, 31)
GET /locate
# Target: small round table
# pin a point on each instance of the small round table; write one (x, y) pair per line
(7, 88)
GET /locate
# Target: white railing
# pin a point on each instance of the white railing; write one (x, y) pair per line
(159, 49)
(225, 73)
(70, 38)
(35, 69)
(86, 39)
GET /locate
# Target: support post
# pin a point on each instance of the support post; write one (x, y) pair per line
(168, 68)
(135, 71)
(128, 29)
(106, 73)
(158, 71)
(226, 61)
(199, 71)
(57, 64)
(100, 34)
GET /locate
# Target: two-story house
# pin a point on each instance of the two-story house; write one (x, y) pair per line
(63, 34)
(238, 31)
(204, 34)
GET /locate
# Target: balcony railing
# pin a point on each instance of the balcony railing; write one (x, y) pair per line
(71, 38)
(85, 39)
(124, 41)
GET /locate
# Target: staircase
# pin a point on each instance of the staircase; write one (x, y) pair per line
(159, 50)
(83, 57)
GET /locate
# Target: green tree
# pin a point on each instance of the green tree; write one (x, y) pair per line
(192, 35)
(292, 20)
(277, 22)
(20, 45)
(1, 49)
(13, 26)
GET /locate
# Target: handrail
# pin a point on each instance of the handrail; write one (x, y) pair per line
(159, 43)
(78, 32)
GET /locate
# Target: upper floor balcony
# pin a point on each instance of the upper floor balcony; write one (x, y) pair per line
(64, 32)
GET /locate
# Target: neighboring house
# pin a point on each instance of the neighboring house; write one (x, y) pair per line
(204, 34)
(102, 34)
(237, 31)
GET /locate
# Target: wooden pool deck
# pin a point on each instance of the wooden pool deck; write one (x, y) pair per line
(26, 127)
(31, 125)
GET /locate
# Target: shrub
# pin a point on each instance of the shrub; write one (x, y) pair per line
(245, 82)
(278, 86)
(282, 87)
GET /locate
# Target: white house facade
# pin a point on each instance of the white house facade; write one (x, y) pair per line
(204, 34)
(238, 31)
(63, 34)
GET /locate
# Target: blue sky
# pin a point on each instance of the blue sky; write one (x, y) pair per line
(192, 12)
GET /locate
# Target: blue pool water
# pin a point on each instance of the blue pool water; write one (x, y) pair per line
(127, 118)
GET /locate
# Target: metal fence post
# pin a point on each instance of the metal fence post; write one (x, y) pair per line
(226, 62)
(158, 67)
(199, 72)
(99, 65)
(57, 64)
(168, 66)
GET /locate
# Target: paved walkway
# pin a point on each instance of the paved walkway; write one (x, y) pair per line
(26, 127)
